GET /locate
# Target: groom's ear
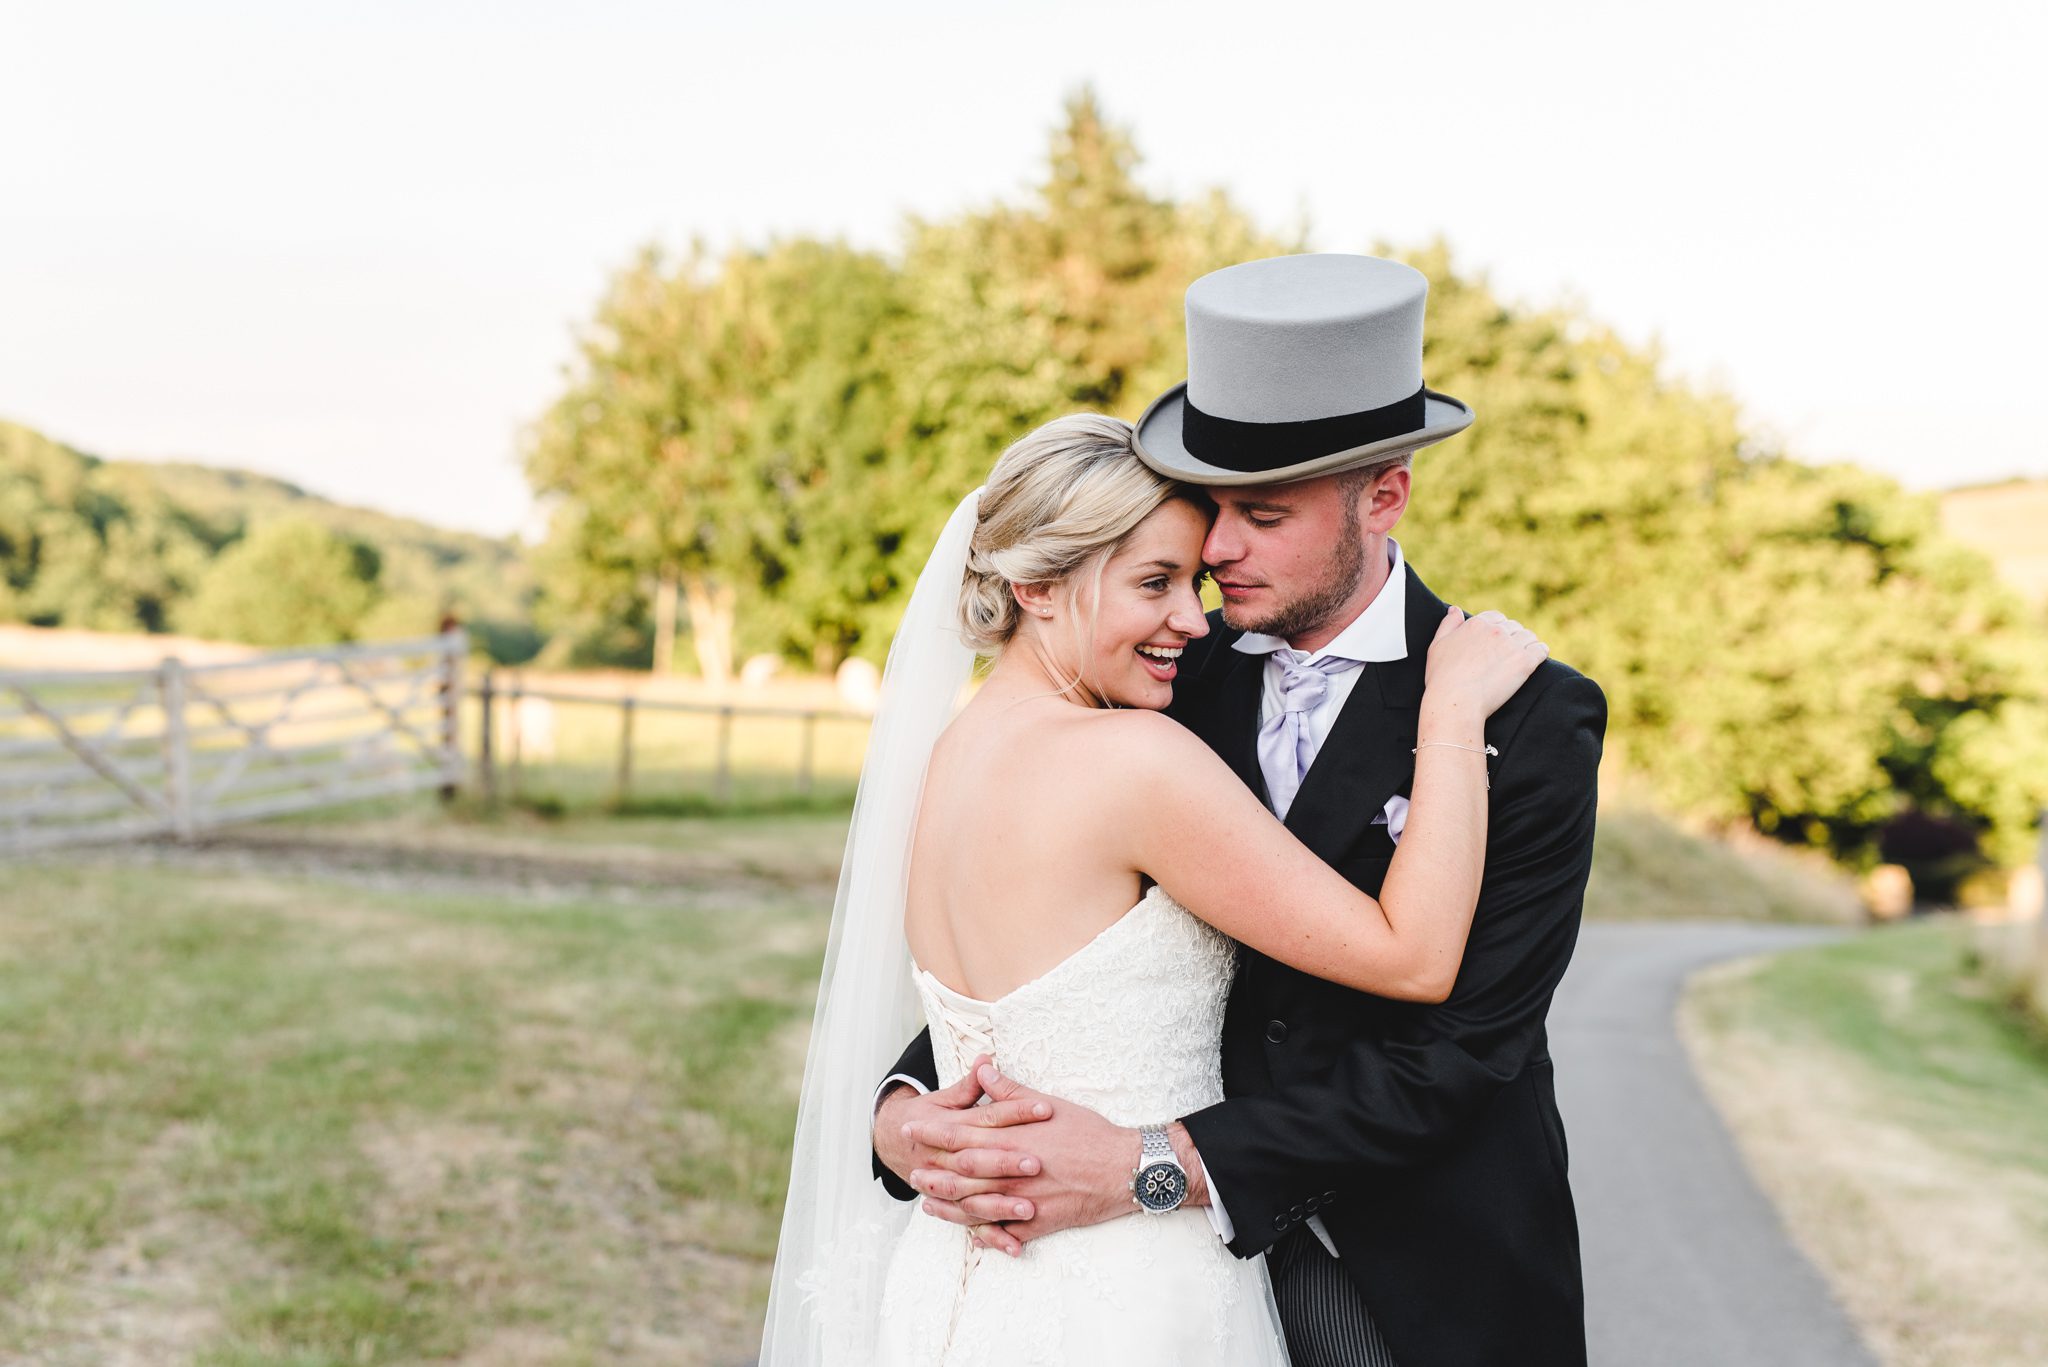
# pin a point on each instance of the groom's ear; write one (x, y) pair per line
(1386, 500)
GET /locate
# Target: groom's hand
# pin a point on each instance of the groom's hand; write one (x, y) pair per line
(1086, 1179)
(905, 1110)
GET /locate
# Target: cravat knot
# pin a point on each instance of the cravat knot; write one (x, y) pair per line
(1305, 682)
(1286, 745)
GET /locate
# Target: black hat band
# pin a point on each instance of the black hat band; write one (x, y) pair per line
(1245, 446)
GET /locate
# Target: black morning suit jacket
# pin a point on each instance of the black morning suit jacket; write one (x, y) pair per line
(1427, 1137)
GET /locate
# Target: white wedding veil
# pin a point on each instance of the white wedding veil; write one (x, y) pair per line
(839, 1227)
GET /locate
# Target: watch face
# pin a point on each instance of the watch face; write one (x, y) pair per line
(1161, 1187)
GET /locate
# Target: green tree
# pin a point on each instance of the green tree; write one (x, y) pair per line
(1784, 645)
(288, 583)
(710, 402)
(836, 499)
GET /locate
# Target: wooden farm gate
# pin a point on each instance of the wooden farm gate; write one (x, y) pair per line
(99, 755)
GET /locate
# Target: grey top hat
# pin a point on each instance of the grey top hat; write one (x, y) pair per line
(1298, 366)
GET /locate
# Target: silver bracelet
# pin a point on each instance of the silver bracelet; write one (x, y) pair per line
(1489, 750)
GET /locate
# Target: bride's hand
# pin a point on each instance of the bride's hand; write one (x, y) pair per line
(1481, 661)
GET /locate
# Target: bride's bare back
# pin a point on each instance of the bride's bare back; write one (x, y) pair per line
(1015, 864)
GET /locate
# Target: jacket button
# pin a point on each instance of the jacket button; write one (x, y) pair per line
(1280, 1222)
(1328, 1197)
(1313, 1204)
(1296, 1212)
(1276, 1031)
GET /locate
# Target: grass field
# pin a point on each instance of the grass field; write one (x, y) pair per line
(1895, 1107)
(421, 1085)
(252, 1114)
(2004, 522)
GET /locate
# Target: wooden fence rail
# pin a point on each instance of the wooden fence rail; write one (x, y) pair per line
(97, 755)
(501, 748)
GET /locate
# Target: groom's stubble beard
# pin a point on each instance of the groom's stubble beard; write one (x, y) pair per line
(1321, 601)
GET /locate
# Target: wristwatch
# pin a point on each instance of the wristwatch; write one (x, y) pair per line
(1159, 1183)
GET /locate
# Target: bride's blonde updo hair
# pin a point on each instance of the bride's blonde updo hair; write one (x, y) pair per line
(1059, 501)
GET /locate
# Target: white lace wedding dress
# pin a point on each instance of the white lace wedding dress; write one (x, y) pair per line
(1129, 1025)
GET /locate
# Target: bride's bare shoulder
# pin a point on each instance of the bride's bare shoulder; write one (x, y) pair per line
(1139, 742)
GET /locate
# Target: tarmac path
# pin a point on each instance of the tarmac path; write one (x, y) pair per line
(1686, 1262)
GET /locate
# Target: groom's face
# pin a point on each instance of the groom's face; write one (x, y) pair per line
(1291, 560)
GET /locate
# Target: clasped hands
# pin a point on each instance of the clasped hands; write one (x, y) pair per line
(1018, 1168)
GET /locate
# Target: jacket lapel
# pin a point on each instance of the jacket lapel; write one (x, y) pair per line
(1366, 758)
(1236, 720)
(1218, 699)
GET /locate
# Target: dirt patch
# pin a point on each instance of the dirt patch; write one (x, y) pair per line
(573, 1070)
(457, 1193)
(428, 1161)
(150, 1296)
(385, 861)
(372, 935)
(148, 1299)
(517, 1348)
(584, 1226)
(675, 1296)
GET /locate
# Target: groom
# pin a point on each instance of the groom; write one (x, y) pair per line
(1402, 1165)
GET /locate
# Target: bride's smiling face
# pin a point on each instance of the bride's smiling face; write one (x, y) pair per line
(1149, 606)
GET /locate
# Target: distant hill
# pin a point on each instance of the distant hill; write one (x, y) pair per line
(118, 545)
(2009, 523)
(230, 498)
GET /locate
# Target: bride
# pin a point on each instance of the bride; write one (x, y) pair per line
(1056, 876)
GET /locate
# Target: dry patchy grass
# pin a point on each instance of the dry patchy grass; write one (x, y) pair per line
(279, 1113)
(1648, 868)
(1897, 1114)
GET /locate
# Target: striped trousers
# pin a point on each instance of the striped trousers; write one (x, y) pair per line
(1321, 1310)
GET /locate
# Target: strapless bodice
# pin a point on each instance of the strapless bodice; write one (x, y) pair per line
(1127, 1025)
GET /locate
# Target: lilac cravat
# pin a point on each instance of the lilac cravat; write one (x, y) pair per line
(1285, 750)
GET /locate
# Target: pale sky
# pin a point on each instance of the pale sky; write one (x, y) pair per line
(347, 244)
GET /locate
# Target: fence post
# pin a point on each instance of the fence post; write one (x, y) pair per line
(721, 776)
(625, 782)
(454, 645)
(803, 763)
(518, 722)
(486, 772)
(177, 748)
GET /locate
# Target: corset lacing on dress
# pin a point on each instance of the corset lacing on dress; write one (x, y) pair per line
(971, 1031)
